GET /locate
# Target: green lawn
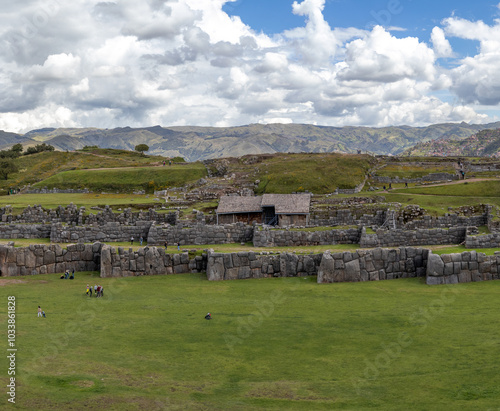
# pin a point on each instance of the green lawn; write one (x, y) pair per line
(437, 199)
(317, 173)
(37, 167)
(127, 179)
(413, 170)
(272, 344)
(489, 188)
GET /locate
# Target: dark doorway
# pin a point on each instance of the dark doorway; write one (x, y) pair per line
(270, 217)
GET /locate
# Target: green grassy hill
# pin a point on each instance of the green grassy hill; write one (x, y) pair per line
(127, 179)
(288, 173)
(49, 168)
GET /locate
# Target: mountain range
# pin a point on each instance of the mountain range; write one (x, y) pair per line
(483, 143)
(200, 143)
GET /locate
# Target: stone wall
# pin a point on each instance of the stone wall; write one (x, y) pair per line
(361, 265)
(108, 232)
(447, 221)
(15, 231)
(396, 238)
(54, 190)
(48, 259)
(74, 215)
(200, 234)
(425, 179)
(354, 190)
(121, 262)
(493, 221)
(462, 268)
(284, 238)
(483, 241)
(470, 167)
(358, 215)
(373, 265)
(244, 265)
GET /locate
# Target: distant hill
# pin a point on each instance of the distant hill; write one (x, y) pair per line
(200, 143)
(482, 143)
(7, 139)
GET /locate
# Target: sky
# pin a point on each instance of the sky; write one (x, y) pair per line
(88, 63)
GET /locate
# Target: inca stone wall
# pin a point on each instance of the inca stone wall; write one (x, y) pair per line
(200, 234)
(108, 232)
(482, 167)
(361, 265)
(48, 259)
(284, 238)
(424, 179)
(244, 265)
(373, 265)
(493, 221)
(15, 231)
(54, 190)
(74, 215)
(121, 262)
(447, 221)
(334, 216)
(462, 268)
(396, 238)
(483, 241)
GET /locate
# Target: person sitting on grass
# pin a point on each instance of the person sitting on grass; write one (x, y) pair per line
(208, 316)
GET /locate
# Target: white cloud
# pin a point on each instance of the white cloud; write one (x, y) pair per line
(476, 78)
(81, 87)
(107, 64)
(441, 45)
(383, 58)
(57, 67)
(316, 42)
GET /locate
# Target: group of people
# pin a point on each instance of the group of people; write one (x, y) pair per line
(175, 244)
(98, 290)
(132, 240)
(66, 275)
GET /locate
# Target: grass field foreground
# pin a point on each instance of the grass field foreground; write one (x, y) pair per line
(285, 343)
